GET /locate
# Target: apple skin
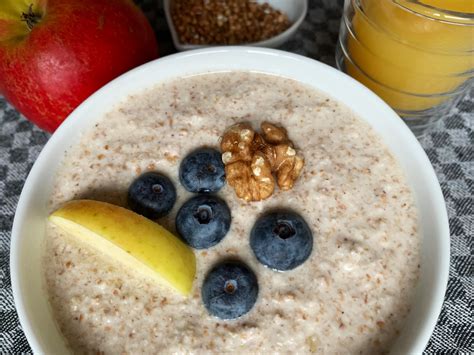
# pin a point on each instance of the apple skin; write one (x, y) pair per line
(76, 47)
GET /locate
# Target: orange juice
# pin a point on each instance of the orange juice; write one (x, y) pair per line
(413, 54)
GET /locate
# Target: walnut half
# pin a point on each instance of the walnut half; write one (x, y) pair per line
(251, 182)
(274, 134)
(251, 158)
(236, 143)
(288, 166)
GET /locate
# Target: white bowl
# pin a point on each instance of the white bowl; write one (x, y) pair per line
(28, 231)
(294, 9)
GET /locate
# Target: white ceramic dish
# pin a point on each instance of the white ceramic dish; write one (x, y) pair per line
(294, 9)
(29, 225)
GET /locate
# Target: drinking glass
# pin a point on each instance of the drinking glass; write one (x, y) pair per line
(417, 55)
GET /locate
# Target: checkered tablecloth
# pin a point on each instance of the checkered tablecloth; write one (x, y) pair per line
(450, 148)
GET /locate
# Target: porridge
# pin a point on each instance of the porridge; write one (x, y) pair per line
(350, 296)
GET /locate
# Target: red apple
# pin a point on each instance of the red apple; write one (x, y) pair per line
(55, 53)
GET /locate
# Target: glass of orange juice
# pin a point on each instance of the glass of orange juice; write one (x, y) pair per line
(417, 55)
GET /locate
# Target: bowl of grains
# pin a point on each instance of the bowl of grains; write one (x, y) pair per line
(349, 254)
(203, 23)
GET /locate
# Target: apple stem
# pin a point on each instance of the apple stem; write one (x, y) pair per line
(30, 18)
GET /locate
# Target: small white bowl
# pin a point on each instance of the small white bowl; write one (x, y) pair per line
(28, 232)
(295, 10)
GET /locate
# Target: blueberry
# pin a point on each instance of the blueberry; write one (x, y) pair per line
(202, 171)
(229, 290)
(203, 221)
(151, 195)
(281, 240)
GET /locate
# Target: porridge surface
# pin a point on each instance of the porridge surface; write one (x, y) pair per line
(351, 295)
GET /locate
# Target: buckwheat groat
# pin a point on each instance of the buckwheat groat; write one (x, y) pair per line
(350, 296)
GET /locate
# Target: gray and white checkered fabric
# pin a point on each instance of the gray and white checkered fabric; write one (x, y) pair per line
(450, 149)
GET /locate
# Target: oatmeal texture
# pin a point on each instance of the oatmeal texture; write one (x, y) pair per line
(350, 296)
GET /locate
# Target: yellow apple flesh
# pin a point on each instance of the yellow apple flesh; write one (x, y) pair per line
(133, 240)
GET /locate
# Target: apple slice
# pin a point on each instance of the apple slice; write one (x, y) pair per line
(133, 240)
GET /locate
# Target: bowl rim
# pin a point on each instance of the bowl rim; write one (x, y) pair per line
(265, 43)
(69, 129)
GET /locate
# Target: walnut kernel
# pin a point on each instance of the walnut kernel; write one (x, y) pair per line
(274, 134)
(236, 143)
(288, 166)
(251, 182)
(251, 158)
